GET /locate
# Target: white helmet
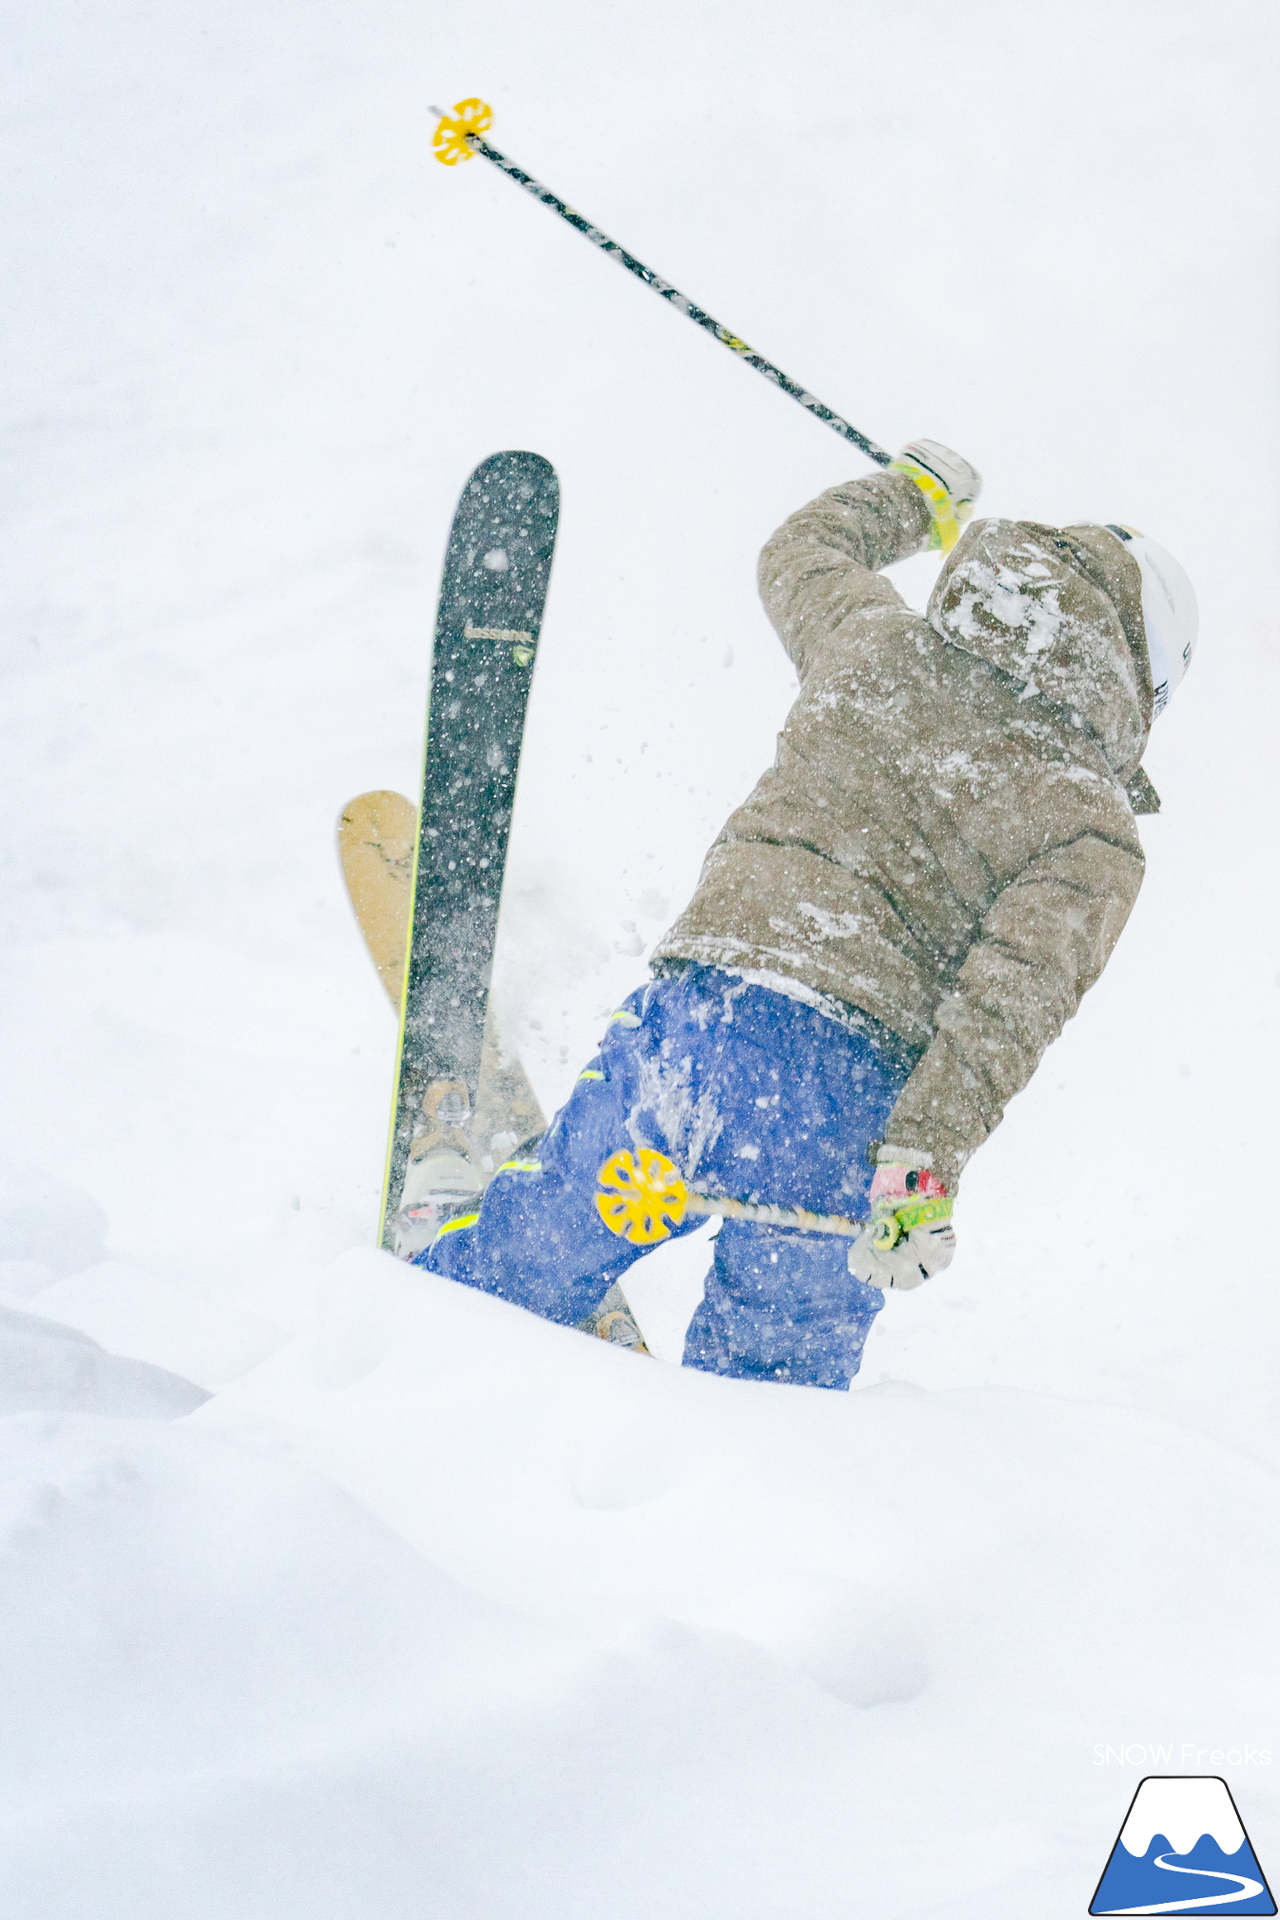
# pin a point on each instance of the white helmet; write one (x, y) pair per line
(1169, 612)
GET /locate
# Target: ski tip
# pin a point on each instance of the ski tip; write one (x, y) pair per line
(519, 470)
(514, 456)
(377, 817)
(376, 835)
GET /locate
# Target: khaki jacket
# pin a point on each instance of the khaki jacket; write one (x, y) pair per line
(944, 842)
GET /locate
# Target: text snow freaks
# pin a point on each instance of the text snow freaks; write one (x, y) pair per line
(1184, 1753)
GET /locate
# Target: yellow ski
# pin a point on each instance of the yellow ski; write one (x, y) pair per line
(376, 835)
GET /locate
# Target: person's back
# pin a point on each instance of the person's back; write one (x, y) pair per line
(933, 773)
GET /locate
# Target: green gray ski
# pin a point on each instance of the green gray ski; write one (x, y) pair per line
(497, 567)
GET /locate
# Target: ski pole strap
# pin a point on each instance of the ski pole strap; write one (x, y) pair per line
(895, 1226)
(462, 134)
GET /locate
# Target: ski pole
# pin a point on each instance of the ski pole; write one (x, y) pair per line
(641, 1196)
(799, 1219)
(461, 134)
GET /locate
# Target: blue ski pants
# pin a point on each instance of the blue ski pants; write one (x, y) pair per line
(754, 1096)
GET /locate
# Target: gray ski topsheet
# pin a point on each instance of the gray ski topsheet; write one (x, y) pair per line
(497, 567)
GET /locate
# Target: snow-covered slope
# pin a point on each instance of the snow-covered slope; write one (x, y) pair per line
(432, 1607)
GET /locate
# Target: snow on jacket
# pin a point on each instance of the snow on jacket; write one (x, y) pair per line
(944, 842)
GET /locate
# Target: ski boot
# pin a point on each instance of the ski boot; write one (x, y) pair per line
(613, 1320)
(439, 1186)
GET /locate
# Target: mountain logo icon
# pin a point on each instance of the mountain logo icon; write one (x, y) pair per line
(1182, 1850)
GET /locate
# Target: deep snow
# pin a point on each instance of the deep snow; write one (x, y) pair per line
(431, 1607)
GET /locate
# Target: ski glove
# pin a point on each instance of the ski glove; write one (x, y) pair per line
(909, 1236)
(947, 481)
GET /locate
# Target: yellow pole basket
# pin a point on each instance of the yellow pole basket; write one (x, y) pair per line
(450, 141)
(639, 1195)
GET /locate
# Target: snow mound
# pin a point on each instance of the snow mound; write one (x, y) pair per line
(128, 1308)
(46, 1223)
(441, 1596)
(208, 1652)
(50, 1368)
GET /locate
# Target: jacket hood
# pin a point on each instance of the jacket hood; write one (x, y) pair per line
(1059, 610)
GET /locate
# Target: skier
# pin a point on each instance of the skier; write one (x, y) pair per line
(886, 935)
